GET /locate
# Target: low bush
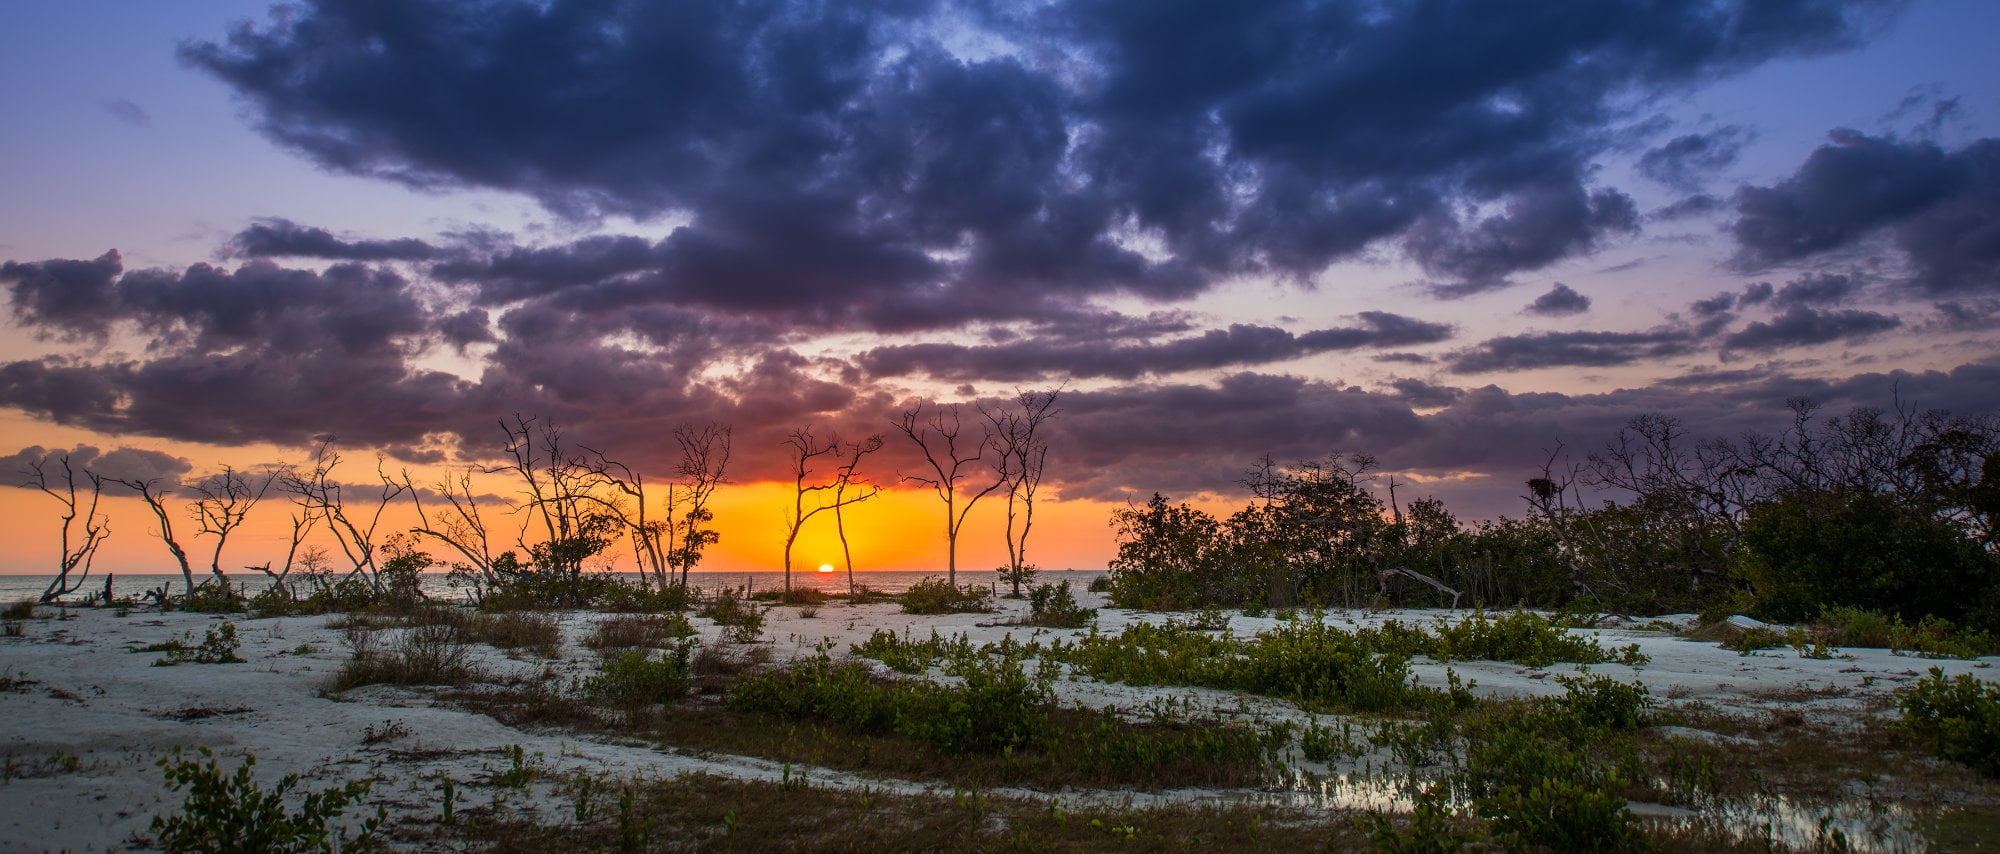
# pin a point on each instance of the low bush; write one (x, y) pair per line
(1520, 636)
(1603, 702)
(735, 611)
(938, 596)
(230, 812)
(214, 596)
(1054, 606)
(1956, 719)
(636, 678)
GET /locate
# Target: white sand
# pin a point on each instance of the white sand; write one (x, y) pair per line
(116, 714)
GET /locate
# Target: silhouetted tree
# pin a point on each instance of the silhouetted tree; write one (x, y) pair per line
(805, 448)
(939, 438)
(1021, 458)
(83, 528)
(155, 492)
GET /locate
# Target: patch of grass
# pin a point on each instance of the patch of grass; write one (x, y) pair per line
(511, 630)
(435, 654)
(937, 596)
(629, 631)
(23, 609)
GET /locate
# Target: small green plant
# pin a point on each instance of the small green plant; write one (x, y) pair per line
(520, 770)
(1753, 639)
(230, 812)
(1808, 645)
(1956, 719)
(218, 646)
(20, 610)
(937, 596)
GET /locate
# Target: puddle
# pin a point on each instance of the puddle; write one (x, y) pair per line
(1857, 825)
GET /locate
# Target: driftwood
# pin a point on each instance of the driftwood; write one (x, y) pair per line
(1384, 574)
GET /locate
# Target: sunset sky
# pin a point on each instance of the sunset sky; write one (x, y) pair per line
(1450, 234)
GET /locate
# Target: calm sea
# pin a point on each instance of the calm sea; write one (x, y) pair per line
(17, 587)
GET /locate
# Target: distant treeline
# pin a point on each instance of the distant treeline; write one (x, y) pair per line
(1888, 510)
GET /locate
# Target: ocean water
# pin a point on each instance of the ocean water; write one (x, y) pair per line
(16, 587)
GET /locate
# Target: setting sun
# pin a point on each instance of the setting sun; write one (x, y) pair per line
(826, 567)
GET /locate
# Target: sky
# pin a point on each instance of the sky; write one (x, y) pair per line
(1458, 236)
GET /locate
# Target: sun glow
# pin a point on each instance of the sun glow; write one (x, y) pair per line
(826, 567)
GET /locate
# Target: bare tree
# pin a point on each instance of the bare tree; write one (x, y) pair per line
(462, 528)
(226, 498)
(319, 495)
(704, 462)
(83, 528)
(846, 478)
(805, 448)
(947, 454)
(574, 523)
(155, 491)
(1022, 457)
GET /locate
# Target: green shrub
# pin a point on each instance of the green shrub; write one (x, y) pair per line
(1563, 815)
(735, 611)
(1520, 636)
(1431, 829)
(232, 813)
(23, 609)
(1054, 606)
(640, 599)
(635, 678)
(213, 596)
(1956, 719)
(1603, 702)
(1527, 775)
(218, 646)
(937, 596)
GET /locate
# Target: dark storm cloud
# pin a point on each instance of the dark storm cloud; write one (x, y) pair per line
(837, 155)
(1816, 289)
(1181, 439)
(1687, 162)
(1937, 206)
(1240, 344)
(1800, 326)
(132, 464)
(1560, 301)
(1573, 350)
(1420, 393)
(281, 238)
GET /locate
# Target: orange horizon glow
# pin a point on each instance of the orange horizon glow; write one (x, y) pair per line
(898, 530)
